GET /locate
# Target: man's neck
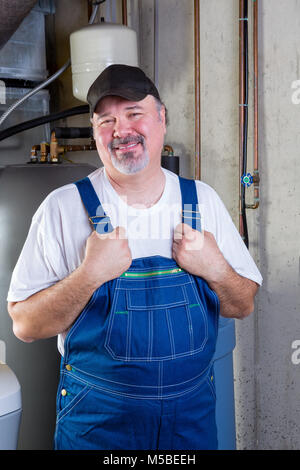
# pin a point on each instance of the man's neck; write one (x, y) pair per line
(140, 189)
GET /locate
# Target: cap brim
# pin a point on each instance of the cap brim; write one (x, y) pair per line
(126, 93)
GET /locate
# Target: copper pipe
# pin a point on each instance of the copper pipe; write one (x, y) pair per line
(34, 153)
(124, 12)
(35, 149)
(241, 107)
(44, 151)
(255, 105)
(169, 149)
(197, 90)
(56, 149)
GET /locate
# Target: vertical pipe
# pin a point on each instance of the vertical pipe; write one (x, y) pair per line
(255, 108)
(124, 12)
(255, 99)
(155, 41)
(255, 65)
(241, 108)
(89, 8)
(197, 90)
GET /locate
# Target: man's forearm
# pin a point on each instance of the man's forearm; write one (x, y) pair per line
(236, 293)
(52, 310)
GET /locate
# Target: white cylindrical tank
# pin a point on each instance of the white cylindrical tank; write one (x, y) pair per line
(10, 405)
(95, 47)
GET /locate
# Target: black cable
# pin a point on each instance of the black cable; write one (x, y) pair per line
(245, 130)
(84, 109)
(73, 132)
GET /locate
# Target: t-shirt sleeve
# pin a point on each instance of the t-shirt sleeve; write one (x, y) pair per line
(218, 221)
(41, 262)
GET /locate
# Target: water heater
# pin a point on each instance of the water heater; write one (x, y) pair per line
(95, 47)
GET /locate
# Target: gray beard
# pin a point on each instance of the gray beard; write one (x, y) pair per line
(130, 164)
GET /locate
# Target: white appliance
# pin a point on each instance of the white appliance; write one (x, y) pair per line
(10, 404)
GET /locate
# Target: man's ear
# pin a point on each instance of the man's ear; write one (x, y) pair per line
(92, 128)
(163, 117)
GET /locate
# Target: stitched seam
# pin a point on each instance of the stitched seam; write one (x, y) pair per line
(111, 320)
(154, 358)
(160, 374)
(155, 287)
(82, 315)
(211, 386)
(155, 306)
(189, 319)
(130, 385)
(191, 333)
(150, 344)
(146, 397)
(205, 320)
(75, 404)
(170, 332)
(128, 335)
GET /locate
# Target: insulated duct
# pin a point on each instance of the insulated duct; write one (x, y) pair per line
(12, 14)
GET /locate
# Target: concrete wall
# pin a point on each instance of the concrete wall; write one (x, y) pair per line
(277, 323)
(266, 379)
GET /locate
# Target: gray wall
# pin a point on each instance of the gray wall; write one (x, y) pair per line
(266, 379)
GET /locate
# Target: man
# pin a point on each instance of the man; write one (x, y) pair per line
(136, 302)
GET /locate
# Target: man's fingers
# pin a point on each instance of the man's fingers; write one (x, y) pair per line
(194, 238)
(118, 233)
(184, 230)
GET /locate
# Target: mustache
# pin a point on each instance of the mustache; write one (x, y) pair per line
(137, 139)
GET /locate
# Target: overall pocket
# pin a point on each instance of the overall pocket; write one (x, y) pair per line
(154, 322)
(70, 393)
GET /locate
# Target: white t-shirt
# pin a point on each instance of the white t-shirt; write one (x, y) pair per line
(55, 245)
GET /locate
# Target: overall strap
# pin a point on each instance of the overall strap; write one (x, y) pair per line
(190, 209)
(97, 217)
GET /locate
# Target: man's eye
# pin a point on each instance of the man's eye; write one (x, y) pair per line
(134, 115)
(106, 122)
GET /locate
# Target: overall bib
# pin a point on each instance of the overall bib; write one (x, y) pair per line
(137, 371)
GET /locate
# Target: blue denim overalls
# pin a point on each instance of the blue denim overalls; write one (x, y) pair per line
(137, 370)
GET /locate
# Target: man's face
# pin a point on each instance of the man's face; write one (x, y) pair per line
(129, 134)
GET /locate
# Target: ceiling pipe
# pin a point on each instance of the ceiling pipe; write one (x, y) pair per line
(197, 90)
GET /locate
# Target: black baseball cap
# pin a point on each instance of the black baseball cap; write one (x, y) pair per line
(126, 81)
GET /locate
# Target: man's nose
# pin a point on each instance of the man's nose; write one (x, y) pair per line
(122, 128)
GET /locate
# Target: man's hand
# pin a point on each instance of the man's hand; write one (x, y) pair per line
(107, 256)
(198, 253)
(53, 310)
